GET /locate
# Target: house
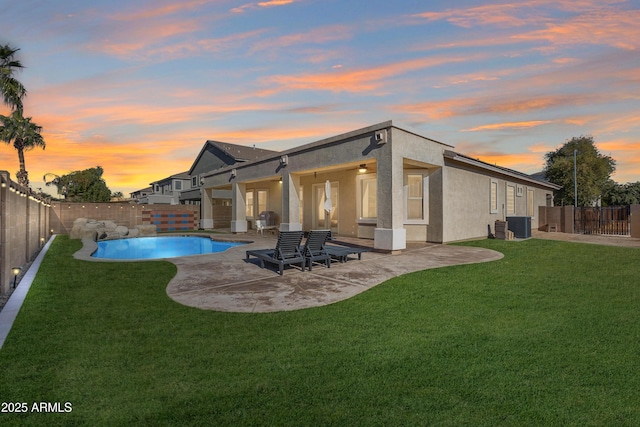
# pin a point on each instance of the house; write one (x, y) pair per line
(215, 155)
(167, 190)
(386, 183)
(139, 194)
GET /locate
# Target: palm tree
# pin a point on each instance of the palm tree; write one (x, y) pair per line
(24, 135)
(11, 89)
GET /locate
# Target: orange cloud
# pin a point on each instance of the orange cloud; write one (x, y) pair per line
(509, 125)
(316, 35)
(617, 28)
(362, 80)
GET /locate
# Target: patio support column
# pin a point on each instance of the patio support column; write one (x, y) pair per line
(290, 203)
(390, 233)
(206, 206)
(238, 208)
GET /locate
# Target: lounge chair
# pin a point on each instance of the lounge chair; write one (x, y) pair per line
(286, 252)
(313, 249)
(341, 253)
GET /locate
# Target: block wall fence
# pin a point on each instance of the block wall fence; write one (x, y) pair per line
(24, 227)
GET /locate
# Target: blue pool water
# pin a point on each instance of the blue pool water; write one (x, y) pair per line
(159, 247)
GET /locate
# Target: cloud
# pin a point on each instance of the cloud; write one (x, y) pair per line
(320, 35)
(509, 125)
(360, 80)
(262, 4)
(618, 28)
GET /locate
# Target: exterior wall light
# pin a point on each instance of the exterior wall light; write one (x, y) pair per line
(362, 168)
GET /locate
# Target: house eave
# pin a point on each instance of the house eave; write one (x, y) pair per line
(497, 169)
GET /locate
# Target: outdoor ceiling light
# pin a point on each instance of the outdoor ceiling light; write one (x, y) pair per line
(362, 168)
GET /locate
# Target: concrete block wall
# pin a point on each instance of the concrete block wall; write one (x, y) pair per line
(63, 214)
(24, 227)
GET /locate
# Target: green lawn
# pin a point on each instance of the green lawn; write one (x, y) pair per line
(549, 335)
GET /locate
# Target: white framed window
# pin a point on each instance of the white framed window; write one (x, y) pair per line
(415, 197)
(367, 197)
(249, 204)
(194, 181)
(531, 208)
(301, 200)
(493, 197)
(262, 201)
(511, 199)
(178, 185)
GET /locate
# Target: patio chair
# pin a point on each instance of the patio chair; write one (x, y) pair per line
(313, 249)
(341, 253)
(286, 252)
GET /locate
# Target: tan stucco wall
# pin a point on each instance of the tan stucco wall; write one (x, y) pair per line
(467, 193)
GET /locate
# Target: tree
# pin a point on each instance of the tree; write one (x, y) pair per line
(621, 194)
(84, 186)
(11, 89)
(593, 171)
(24, 135)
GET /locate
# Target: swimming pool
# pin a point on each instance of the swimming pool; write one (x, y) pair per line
(160, 247)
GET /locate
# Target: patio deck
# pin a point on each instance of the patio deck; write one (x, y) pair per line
(226, 282)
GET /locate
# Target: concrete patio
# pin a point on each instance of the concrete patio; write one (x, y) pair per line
(226, 282)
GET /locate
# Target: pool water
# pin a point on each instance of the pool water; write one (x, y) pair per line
(160, 247)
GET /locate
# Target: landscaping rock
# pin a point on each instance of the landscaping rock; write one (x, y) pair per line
(122, 230)
(146, 230)
(107, 230)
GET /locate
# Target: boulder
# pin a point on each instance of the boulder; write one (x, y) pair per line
(80, 221)
(89, 234)
(121, 230)
(107, 230)
(146, 230)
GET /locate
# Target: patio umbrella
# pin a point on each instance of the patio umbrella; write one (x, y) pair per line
(327, 198)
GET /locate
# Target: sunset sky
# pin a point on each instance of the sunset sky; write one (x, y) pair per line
(137, 87)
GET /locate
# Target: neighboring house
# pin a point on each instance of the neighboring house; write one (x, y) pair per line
(215, 155)
(386, 183)
(139, 194)
(167, 190)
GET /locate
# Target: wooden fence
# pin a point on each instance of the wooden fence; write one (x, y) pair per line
(612, 220)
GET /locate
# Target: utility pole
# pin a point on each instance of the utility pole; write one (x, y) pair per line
(575, 180)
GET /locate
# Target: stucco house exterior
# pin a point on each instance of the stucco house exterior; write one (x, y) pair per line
(166, 190)
(215, 155)
(386, 183)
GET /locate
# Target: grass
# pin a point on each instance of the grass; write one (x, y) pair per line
(546, 336)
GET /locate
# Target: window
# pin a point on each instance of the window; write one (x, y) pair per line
(414, 197)
(178, 185)
(300, 197)
(530, 203)
(494, 197)
(511, 199)
(157, 186)
(369, 205)
(194, 181)
(249, 200)
(262, 201)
